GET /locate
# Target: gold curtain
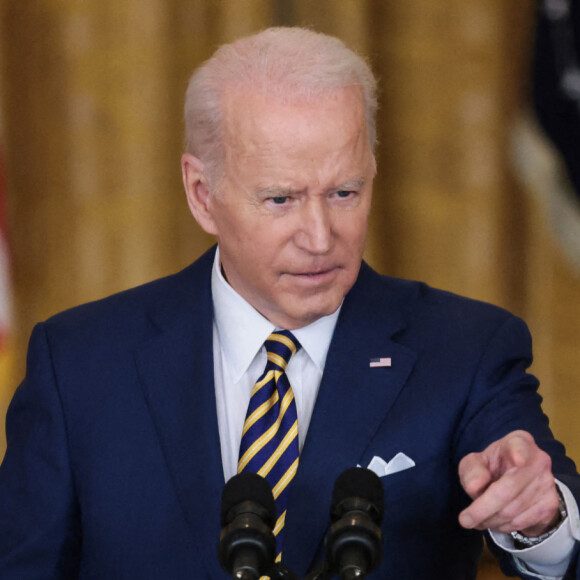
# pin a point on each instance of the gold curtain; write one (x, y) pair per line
(92, 100)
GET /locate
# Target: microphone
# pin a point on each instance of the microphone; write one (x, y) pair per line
(247, 547)
(354, 541)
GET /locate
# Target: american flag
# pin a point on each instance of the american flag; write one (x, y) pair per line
(380, 362)
(6, 350)
(5, 306)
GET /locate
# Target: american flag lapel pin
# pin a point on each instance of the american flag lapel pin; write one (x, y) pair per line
(380, 362)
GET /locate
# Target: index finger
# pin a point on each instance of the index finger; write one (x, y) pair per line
(474, 474)
(497, 496)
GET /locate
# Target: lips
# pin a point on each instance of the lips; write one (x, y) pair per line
(318, 274)
(315, 269)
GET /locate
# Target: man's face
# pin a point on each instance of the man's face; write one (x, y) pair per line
(292, 209)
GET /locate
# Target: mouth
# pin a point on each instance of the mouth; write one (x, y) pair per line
(316, 275)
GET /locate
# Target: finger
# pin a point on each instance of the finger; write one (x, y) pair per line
(535, 514)
(515, 450)
(487, 514)
(531, 501)
(485, 510)
(474, 474)
(478, 470)
(505, 481)
(534, 522)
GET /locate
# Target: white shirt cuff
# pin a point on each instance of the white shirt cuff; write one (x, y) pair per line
(548, 560)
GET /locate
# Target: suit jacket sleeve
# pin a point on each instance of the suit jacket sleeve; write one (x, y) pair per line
(39, 521)
(504, 397)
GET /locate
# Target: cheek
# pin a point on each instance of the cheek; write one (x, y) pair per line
(259, 251)
(354, 233)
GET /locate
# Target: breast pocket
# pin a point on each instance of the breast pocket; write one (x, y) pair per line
(426, 494)
(422, 479)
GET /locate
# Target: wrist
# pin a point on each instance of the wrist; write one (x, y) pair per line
(523, 541)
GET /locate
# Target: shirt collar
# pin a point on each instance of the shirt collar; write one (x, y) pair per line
(242, 330)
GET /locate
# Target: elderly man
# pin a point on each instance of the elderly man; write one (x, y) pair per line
(136, 409)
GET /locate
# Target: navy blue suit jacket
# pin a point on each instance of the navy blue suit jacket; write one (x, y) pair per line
(113, 468)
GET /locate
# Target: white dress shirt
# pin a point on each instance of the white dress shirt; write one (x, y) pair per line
(239, 333)
(549, 559)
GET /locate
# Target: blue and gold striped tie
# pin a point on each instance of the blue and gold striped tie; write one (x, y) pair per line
(269, 445)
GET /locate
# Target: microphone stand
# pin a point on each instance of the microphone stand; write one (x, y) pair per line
(282, 572)
(319, 572)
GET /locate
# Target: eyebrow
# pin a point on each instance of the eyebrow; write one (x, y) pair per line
(280, 191)
(277, 191)
(348, 185)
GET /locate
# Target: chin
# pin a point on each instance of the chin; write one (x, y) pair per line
(309, 309)
(315, 314)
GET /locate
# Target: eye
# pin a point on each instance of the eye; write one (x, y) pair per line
(344, 193)
(279, 199)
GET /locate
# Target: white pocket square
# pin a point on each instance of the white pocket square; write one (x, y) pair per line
(398, 463)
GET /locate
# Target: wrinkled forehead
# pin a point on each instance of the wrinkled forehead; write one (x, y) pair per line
(302, 142)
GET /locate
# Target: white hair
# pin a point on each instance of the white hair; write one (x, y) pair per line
(285, 62)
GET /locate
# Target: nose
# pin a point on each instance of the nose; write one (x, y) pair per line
(315, 233)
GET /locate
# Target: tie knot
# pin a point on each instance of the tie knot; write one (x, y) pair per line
(280, 346)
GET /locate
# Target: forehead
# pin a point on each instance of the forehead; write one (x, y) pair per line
(323, 128)
(245, 108)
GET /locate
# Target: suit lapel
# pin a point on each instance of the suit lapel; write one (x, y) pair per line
(176, 371)
(352, 403)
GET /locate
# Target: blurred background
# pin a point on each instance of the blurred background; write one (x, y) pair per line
(473, 194)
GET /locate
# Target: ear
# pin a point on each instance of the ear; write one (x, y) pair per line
(198, 192)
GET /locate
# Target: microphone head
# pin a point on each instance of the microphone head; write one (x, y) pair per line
(248, 487)
(358, 483)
